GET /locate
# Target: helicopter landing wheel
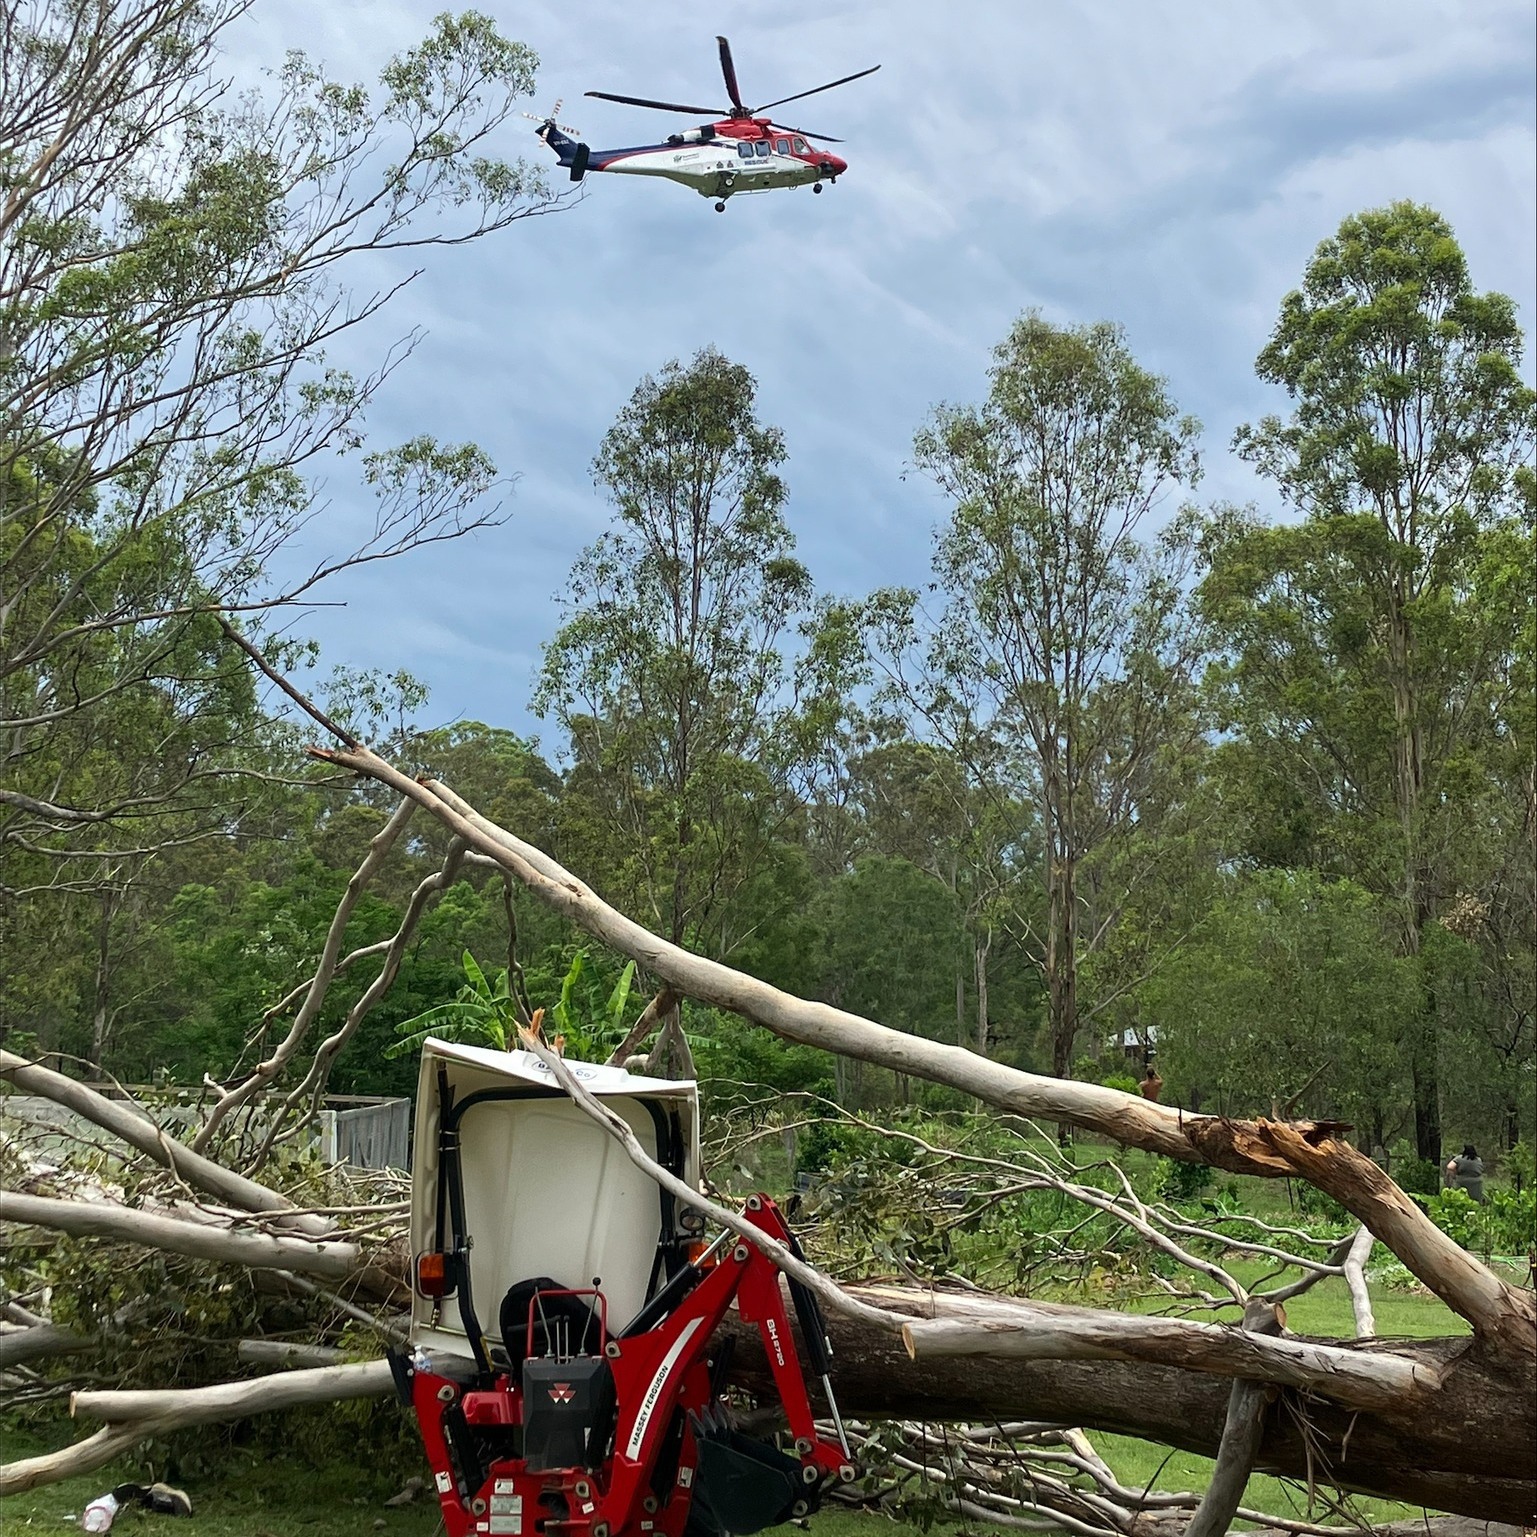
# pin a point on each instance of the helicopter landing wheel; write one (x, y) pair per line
(816, 186)
(720, 207)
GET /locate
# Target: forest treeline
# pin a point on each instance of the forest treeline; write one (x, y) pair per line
(1121, 773)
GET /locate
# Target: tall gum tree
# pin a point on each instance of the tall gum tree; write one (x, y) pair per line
(1061, 654)
(670, 675)
(1370, 644)
(174, 265)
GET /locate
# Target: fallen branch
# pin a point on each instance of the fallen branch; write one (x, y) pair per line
(131, 1417)
(268, 1069)
(1242, 1432)
(658, 1009)
(286, 1353)
(313, 1084)
(107, 1445)
(1313, 1151)
(171, 1408)
(1041, 1331)
(1355, 1278)
(257, 1251)
(1468, 1448)
(40, 1342)
(129, 1124)
(1044, 1331)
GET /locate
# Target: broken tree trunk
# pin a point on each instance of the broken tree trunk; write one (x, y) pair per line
(1457, 1447)
(1500, 1363)
(1501, 1314)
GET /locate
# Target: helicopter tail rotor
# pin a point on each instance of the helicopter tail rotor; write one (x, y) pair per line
(551, 117)
(566, 143)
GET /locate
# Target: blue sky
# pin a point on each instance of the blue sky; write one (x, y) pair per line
(1169, 166)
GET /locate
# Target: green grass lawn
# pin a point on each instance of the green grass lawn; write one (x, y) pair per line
(264, 1497)
(248, 1497)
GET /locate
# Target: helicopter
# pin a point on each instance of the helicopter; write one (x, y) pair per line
(743, 150)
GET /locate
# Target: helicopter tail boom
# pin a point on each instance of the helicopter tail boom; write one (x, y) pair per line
(571, 153)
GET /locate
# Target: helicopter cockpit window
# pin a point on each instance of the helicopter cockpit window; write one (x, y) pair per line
(800, 146)
(762, 148)
(781, 146)
(744, 150)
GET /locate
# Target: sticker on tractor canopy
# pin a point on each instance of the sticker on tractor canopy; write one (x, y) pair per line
(506, 1504)
(685, 1477)
(444, 1483)
(503, 1486)
(511, 1525)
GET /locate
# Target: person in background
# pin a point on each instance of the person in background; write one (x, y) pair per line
(1466, 1172)
(1152, 1084)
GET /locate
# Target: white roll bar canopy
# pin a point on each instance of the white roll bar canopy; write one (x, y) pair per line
(546, 1191)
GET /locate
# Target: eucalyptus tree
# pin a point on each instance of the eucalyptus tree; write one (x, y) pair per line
(1373, 644)
(174, 260)
(1060, 664)
(670, 675)
(920, 804)
(1287, 998)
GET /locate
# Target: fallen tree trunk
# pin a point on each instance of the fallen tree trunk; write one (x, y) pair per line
(1502, 1314)
(1500, 1363)
(40, 1342)
(1467, 1446)
(1404, 1386)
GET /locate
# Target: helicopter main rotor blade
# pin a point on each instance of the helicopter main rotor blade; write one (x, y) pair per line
(661, 106)
(728, 69)
(814, 90)
(806, 133)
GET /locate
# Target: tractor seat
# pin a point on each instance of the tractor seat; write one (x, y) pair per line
(563, 1325)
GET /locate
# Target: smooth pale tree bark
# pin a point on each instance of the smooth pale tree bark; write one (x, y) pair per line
(129, 1124)
(40, 1342)
(131, 1417)
(235, 1400)
(1318, 1152)
(1242, 1432)
(259, 1251)
(288, 1353)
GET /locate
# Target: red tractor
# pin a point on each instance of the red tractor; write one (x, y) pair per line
(596, 1406)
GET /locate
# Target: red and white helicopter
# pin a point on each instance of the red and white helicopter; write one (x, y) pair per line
(742, 151)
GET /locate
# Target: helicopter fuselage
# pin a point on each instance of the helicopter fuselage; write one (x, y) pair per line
(718, 160)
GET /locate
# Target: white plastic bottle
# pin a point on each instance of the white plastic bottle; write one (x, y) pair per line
(99, 1514)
